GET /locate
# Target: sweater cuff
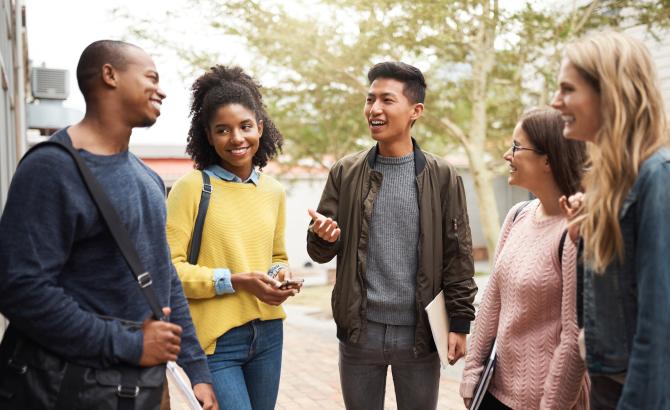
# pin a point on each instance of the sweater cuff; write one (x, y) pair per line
(459, 325)
(197, 372)
(467, 390)
(127, 345)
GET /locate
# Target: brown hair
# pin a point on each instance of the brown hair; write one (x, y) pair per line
(544, 128)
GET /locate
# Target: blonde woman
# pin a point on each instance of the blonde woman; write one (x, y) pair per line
(610, 97)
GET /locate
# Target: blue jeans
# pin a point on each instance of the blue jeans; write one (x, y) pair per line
(363, 369)
(246, 366)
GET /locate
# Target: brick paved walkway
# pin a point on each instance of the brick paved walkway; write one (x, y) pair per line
(310, 378)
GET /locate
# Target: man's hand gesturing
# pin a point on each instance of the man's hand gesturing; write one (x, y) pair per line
(324, 228)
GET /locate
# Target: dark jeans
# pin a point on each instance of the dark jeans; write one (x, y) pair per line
(246, 366)
(363, 369)
(491, 403)
(605, 392)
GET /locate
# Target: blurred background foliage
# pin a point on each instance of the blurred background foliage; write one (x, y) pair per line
(485, 63)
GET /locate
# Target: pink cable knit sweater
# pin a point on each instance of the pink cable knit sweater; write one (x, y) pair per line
(530, 308)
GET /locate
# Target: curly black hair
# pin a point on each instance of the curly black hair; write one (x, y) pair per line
(219, 86)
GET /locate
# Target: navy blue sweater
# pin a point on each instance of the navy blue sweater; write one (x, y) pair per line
(60, 267)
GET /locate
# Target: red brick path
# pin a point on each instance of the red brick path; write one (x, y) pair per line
(310, 378)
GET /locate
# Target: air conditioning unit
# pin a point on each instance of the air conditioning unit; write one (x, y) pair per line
(50, 83)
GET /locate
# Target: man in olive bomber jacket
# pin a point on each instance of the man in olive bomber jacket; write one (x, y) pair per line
(396, 218)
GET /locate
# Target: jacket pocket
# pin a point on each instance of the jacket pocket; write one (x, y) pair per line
(335, 302)
(461, 234)
(454, 231)
(605, 325)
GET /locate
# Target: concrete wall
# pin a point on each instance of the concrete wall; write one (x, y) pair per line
(506, 197)
(301, 193)
(13, 59)
(660, 52)
(7, 98)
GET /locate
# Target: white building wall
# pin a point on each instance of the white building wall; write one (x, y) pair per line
(7, 100)
(660, 52)
(12, 97)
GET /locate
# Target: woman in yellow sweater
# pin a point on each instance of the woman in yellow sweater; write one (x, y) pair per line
(232, 286)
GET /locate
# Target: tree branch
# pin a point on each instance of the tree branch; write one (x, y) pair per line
(575, 29)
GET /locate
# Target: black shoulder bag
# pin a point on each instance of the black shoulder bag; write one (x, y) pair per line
(35, 378)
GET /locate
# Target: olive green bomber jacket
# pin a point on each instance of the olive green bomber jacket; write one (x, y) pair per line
(445, 244)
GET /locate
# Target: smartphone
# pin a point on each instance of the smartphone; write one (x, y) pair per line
(291, 284)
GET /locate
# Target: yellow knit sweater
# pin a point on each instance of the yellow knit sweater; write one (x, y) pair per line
(243, 231)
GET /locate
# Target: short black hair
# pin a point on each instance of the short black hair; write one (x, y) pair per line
(412, 77)
(220, 86)
(96, 55)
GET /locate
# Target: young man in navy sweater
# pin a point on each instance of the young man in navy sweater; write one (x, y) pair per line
(60, 269)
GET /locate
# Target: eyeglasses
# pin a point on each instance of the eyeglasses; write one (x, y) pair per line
(516, 148)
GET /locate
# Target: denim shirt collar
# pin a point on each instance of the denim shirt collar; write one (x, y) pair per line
(220, 172)
(660, 156)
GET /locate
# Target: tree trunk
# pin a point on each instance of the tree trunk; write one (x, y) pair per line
(488, 210)
(484, 58)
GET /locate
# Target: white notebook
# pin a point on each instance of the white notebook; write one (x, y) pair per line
(182, 392)
(439, 325)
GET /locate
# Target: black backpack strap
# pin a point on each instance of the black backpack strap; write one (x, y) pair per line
(194, 250)
(114, 224)
(580, 284)
(561, 244)
(518, 210)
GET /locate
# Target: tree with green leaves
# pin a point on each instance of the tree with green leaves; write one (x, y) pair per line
(483, 64)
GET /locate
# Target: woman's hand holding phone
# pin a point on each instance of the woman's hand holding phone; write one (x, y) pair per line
(262, 286)
(292, 284)
(285, 276)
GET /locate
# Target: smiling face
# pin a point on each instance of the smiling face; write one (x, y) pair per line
(388, 112)
(138, 84)
(235, 135)
(579, 104)
(529, 168)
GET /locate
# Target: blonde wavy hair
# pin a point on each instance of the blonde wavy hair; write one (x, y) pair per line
(634, 126)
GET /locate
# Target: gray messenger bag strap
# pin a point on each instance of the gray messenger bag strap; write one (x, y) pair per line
(32, 377)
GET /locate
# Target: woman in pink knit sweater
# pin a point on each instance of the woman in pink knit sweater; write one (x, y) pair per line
(529, 306)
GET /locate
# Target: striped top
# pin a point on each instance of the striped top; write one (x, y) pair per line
(243, 231)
